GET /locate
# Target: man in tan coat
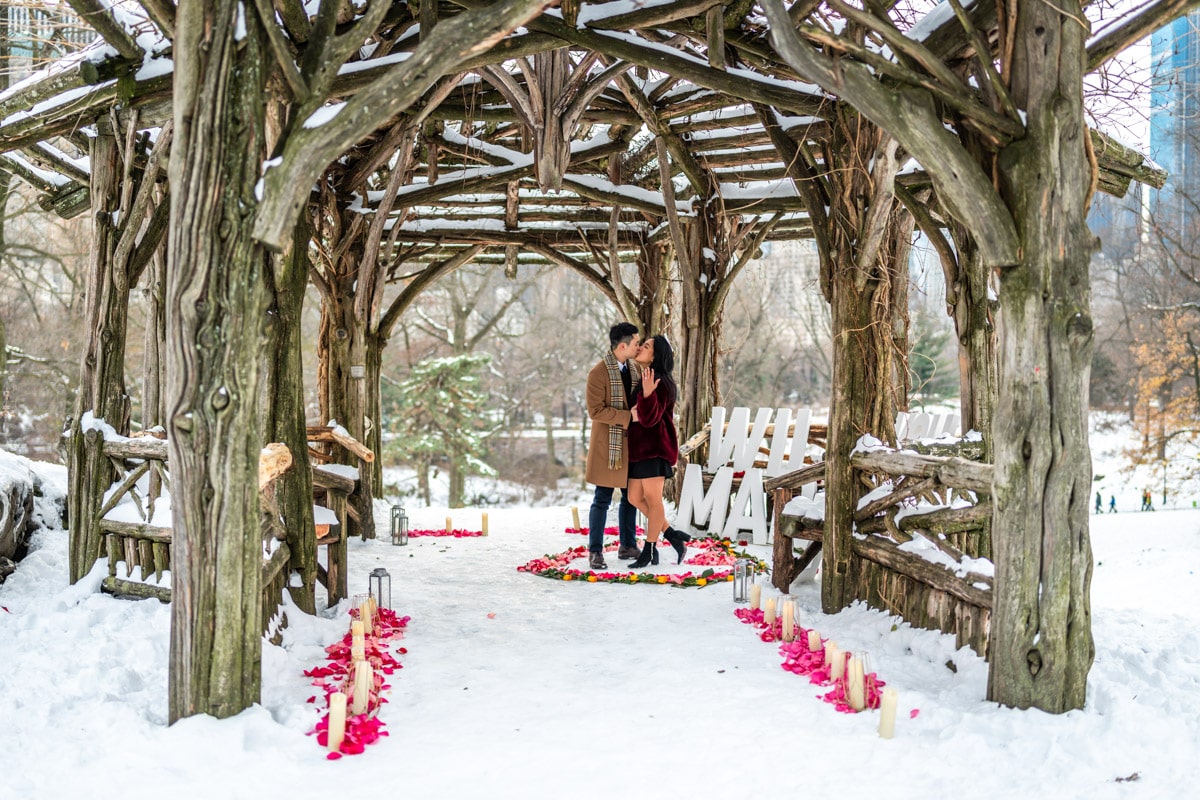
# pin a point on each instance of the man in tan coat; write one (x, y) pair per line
(610, 389)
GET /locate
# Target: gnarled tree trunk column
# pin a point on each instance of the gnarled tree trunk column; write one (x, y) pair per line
(699, 323)
(373, 405)
(654, 283)
(283, 404)
(217, 302)
(102, 371)
(1041, 639)
(341, 346)
(869, 235)
(975, 330)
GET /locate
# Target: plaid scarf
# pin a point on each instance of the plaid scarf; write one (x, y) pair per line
(616, 388)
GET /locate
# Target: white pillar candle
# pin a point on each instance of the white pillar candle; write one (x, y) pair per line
(838, 664)
(364, 682)
(789, 620)
(449, 526)
(769, 611)
(830, 647)
(358, 651)
(814, 641)
(356, 629)
(483, 524)
(755, 595)
(364, 615)
(887, 712)
(855, 691)
(575, 517)
(337, 720)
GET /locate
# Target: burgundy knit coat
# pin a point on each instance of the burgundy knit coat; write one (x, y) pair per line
(653, 435)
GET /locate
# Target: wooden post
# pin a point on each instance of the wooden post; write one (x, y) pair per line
(217, 301)
(102, 371)
(285, 420)
(1042, 646)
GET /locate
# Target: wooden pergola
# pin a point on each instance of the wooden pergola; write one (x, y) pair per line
(236, 152)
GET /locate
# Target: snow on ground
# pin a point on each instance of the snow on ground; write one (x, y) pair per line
(593, 690)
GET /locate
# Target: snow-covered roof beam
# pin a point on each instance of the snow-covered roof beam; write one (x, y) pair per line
(100, 16)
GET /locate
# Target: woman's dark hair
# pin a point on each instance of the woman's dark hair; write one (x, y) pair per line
(664, 363)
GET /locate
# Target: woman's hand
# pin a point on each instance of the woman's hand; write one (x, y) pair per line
(649, 382)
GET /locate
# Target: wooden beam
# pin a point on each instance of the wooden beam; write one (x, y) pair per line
(162, 12)
(101, 18)
(880, 551)
(956, 472)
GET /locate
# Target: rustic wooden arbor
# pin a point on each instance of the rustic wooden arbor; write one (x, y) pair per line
(386, 145)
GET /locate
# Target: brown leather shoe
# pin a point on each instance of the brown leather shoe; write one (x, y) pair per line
(626, 553)
(596, 561)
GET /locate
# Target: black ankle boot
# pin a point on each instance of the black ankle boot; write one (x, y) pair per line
(649, 556)
(678, 540)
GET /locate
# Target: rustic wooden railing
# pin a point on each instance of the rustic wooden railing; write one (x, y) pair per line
(146, 547)
(324, 441)
(925, 593)
(333, 491)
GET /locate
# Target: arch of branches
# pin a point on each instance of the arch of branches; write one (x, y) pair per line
(230, 153)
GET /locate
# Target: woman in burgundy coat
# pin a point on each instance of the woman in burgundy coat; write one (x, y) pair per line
(654, 447)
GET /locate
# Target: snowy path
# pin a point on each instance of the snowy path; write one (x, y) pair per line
(590, 690)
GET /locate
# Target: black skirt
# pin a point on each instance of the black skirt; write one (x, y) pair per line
(650, 468)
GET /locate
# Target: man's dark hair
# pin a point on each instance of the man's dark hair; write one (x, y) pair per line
(621, 332)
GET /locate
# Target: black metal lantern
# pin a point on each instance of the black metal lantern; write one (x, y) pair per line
(380, 583)
(399, 526)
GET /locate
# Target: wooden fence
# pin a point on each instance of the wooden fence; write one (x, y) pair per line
(143, 545)
(943, 500)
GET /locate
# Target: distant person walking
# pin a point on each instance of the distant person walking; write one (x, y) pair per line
(1099, 503)
(1112, 504)
(1147, 501)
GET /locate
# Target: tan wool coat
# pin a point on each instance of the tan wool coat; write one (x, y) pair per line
(603, 415)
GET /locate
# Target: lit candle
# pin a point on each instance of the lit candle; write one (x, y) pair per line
(837, 663)
(789, 620)
(814, 641)
(337, 720)
(769, 611)
(887, 712)
(364, 614)
(358, 651)
(854, 684)
(449, 526)
(483, 525)
(755, 595)
(356, 629)
(364, 682)
(575, 517)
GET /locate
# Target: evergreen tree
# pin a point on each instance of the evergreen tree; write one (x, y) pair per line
(934, 373)
(440, 412)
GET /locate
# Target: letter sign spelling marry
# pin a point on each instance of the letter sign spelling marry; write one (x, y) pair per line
(734, 449)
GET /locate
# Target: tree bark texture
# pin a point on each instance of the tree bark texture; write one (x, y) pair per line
(1042, 647)
(102, 371)
(283, 399)
(869, 238)
(342, 344)
(699, 320)
(217, 303)
(155, 340)
(654, 283)
(975, 329)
